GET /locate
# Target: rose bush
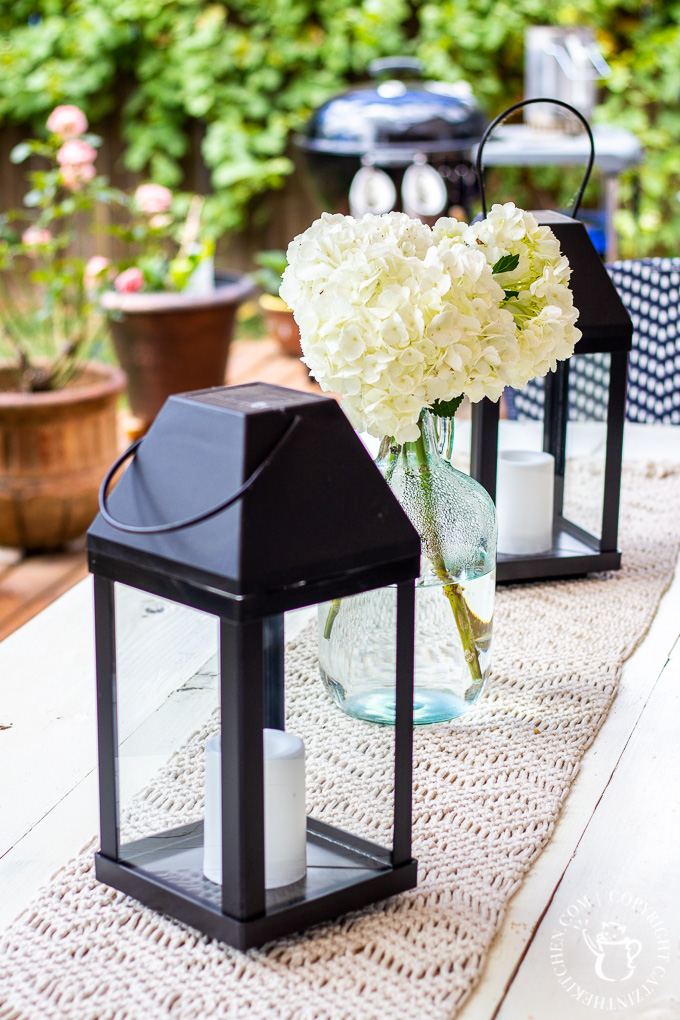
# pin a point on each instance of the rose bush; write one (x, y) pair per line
(50, 316)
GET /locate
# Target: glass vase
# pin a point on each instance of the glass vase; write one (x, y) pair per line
(456, 521)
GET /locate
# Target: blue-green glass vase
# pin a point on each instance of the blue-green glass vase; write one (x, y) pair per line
(456, 521)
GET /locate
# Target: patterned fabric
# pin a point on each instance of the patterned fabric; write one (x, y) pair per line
(650, 290)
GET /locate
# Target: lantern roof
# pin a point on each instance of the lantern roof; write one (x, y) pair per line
(318, 520)
(603, 319)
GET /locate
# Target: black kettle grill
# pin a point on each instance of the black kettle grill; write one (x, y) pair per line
(400, 139)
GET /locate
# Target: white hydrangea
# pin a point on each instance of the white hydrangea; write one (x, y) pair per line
(391, 322)
(394, 316)
(543, 310)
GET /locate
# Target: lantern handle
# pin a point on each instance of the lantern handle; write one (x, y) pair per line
(157, 529)
(518, 106)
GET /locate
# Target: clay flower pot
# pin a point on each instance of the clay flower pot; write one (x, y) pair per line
(169, 343)
(55, 449)
(281, 324)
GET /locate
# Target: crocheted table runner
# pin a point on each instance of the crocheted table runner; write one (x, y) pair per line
(487, 792)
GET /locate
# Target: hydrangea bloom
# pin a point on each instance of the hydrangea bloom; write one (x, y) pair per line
(394, 316)
(389, 323)
(543, 308)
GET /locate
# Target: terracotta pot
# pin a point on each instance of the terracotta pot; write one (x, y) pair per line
(170, 343)
(54, 451)
(281, 324)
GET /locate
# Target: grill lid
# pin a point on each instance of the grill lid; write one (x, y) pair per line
(398, 116)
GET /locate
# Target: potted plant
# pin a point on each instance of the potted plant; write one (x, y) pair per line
(171, 316)
(278, 316)
(58, 426)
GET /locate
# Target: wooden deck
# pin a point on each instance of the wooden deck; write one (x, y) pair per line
(29, 583)
(615, 840)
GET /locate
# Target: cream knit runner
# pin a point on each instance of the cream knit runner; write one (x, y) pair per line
(487, 793)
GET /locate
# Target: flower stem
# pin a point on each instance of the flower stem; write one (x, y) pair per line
(452, 590)
(333, 611)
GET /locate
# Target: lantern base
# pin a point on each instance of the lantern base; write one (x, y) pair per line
(344, 873)
(574, 553)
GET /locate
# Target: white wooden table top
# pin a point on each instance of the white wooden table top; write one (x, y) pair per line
(613, 857)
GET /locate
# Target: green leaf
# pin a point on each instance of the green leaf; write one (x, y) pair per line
(506, 264)
(511, 293)
(446, 408)
(274, 260)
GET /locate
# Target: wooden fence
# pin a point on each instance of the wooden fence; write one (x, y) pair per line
(273, 221)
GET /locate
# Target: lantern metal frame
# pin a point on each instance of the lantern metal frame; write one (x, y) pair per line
(164, 871)
(606, 328)
(575, 551)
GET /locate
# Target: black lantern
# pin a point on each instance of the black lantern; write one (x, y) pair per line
(580, 534)
(297, 528)
(577, 546)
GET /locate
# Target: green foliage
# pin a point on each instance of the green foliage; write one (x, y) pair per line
(506, 264)
(446, 408)
(249, 72)
(272, 265)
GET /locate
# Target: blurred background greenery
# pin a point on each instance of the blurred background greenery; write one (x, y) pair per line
(213, 90)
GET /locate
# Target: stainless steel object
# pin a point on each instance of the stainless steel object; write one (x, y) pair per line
(565, 64)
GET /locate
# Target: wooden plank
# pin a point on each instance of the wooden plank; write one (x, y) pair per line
(264, 361)
(30, 584)
(61, 799)
(247, 356)
(47, 694)
(8, 559)
(639, 676)
(72, 821)
(610, 939)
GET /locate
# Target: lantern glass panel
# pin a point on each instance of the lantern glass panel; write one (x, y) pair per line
(521, 418)
(167, 700)
(357, 663)
(586, 446)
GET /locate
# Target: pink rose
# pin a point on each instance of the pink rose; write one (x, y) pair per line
(36, 237)
(94, 268)
(153, 198)
(73, 175)
(75, 152)
(129, 281)
(67, 121)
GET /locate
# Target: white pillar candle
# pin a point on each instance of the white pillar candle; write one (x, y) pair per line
(524, 501)
(285, 819)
